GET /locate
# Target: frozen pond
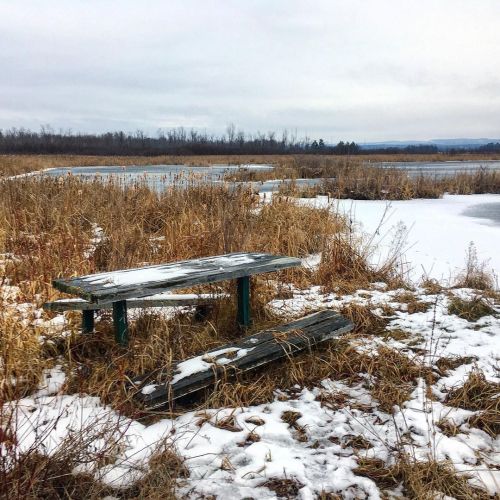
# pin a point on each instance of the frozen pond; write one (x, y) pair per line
(489, 212)
(441, 169)
(159, 177)
(437, 232)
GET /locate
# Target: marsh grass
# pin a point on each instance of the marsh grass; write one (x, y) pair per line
(359, 178)
(344, 176)
(47, 225)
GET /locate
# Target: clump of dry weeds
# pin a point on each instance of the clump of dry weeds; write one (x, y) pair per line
(481, 395)
(422, 480)
(471, 309)
(21, 358)
(413, 303)
(364, 319)
(284, 487)
(475, 275)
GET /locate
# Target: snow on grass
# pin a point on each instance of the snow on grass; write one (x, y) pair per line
(320, 448)
(97, 237)
(52, 381)
(434, 331)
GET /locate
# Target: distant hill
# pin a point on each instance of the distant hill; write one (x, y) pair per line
(441, 144)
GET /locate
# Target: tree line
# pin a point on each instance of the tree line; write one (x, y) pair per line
(180, 141)
(172, 142)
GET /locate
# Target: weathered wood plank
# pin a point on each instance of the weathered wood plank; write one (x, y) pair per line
(159, 300)
(150, 280)
(158, 388)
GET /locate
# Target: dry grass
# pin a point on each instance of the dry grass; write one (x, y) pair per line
(414, 305)
(451, 363)
(472, 309)
(394, 377)
(49, 224)
(359, 178)
(21, 355)
(165, 470)
(475, 275)
(38, 477)
(397, 377)
(420, 480)
(345, 177)
(364, 319)
(19, 164)
(479, 394)
(284, 488)
(344, 266)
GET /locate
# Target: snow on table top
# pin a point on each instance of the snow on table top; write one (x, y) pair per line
(167, 271)
(175, 275)
(161, 296)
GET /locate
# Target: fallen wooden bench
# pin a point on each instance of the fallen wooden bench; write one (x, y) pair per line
(162, 386)
(89, 309)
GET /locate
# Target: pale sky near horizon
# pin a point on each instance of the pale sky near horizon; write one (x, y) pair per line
(363, 70)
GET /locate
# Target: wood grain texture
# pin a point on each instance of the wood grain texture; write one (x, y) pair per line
(150, 280)
(153, 301)
(156, 389)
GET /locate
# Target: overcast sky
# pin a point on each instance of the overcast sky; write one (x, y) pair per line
(360, 70)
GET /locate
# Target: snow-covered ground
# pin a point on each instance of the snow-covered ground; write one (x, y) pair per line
(234, 452)
(438, 231)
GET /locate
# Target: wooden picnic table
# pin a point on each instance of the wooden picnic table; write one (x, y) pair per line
(116, 287)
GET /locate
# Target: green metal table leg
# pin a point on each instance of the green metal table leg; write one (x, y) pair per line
(243, 286)
(120, 321)
(87, 321)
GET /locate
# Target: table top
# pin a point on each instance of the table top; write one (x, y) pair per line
(145, 281)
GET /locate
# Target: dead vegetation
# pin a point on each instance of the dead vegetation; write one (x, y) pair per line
(394, 377)
(284, 488)
(421, 480)
(49, 224)
(446, 364)
(354, 177)
(470, 309)
(37, 476)
(364, 319)
(475, 275)
(480, 395)
(412, 302)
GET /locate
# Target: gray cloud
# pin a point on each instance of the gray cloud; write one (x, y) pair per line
(354, 69)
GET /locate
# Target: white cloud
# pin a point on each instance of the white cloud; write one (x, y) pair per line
(352, 69)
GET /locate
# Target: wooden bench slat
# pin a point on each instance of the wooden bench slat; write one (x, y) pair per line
(252, 351)
(159, 300)
(150, 280)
